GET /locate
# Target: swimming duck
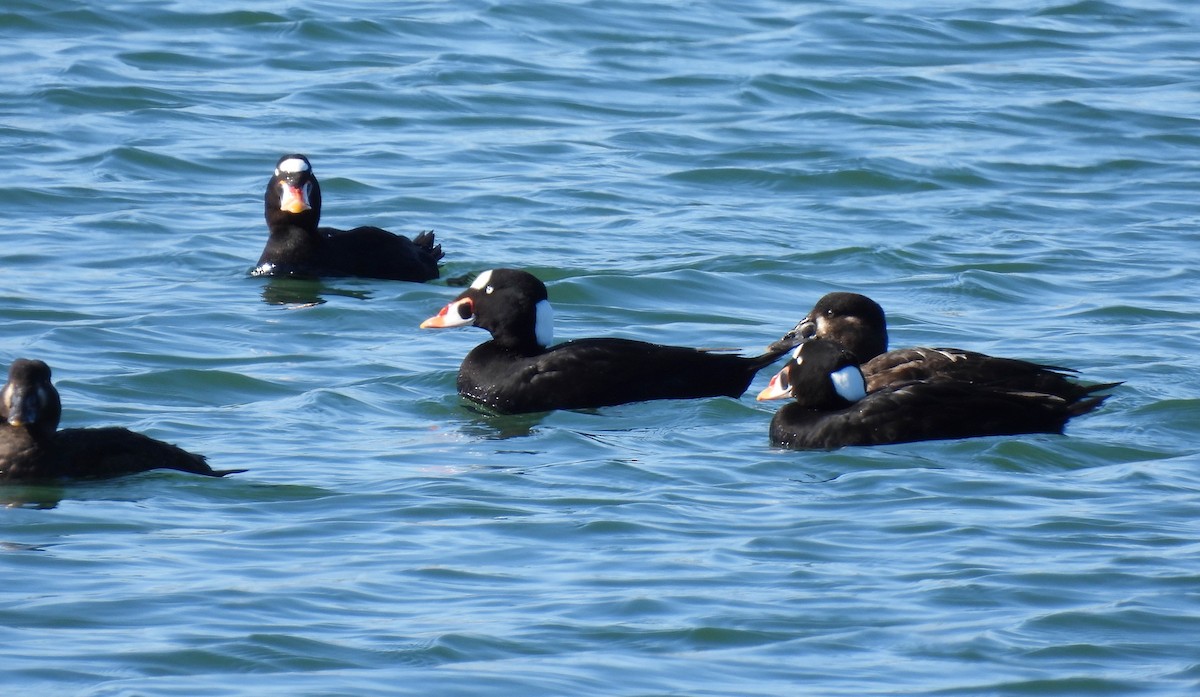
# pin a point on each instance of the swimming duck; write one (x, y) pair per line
(32, 447)
(519, 371)
(833, 408)
(296, 246)
(859, 325)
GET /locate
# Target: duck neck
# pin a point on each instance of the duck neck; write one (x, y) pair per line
(290, 245)
(520, 346)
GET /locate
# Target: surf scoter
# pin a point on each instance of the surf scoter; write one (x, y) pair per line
(832, 407)
(297, 247)
(32, 447)
(858, 324)
(518, 371)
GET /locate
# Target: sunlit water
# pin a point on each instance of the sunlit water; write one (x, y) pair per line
(1020, 181)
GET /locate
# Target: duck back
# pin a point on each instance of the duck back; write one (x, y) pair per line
(932, 410)
(599, 372)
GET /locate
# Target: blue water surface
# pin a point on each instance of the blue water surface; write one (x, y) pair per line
(1019, 180)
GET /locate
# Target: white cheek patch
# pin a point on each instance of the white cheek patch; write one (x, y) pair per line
(460, 313)
(848, 382)
(292, 165)
(482, 280)
(543, 328)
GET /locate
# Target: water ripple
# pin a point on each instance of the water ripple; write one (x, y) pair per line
(1012, 179)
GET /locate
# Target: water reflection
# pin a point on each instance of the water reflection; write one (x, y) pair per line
(304, 292)
(40, 496)
(487, 424)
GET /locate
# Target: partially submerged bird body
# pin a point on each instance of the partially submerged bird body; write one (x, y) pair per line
(519, 370)
(833, 407)
(600, 372)
(297, 246)
(33, 449)
(859, 325)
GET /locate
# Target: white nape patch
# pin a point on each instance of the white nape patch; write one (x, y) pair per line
(292, 165)
(482, 280)
(848, 382)
(543, 328)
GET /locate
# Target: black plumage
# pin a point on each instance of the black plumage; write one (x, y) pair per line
(518, 370)
(859, 325)
(296, 246)
(832, 408)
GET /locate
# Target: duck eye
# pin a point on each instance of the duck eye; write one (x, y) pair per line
(489, 290)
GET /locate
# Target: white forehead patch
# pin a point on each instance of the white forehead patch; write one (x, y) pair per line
(543, 328)
(482, 280)
(849, 383)
(292, 165)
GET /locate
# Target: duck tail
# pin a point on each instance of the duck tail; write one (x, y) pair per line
(429, 245)
(773, 353)
(1085, 405)
(1101, 387)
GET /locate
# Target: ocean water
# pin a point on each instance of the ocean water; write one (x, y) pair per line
(1019, 180)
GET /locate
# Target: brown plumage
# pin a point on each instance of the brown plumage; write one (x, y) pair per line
(832, 408)
(32, 447)
(859, 325)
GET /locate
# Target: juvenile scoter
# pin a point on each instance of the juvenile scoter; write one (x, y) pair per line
(859, 325)
(518, 371)
(297, 247)
(832, 407)
(32, 447)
